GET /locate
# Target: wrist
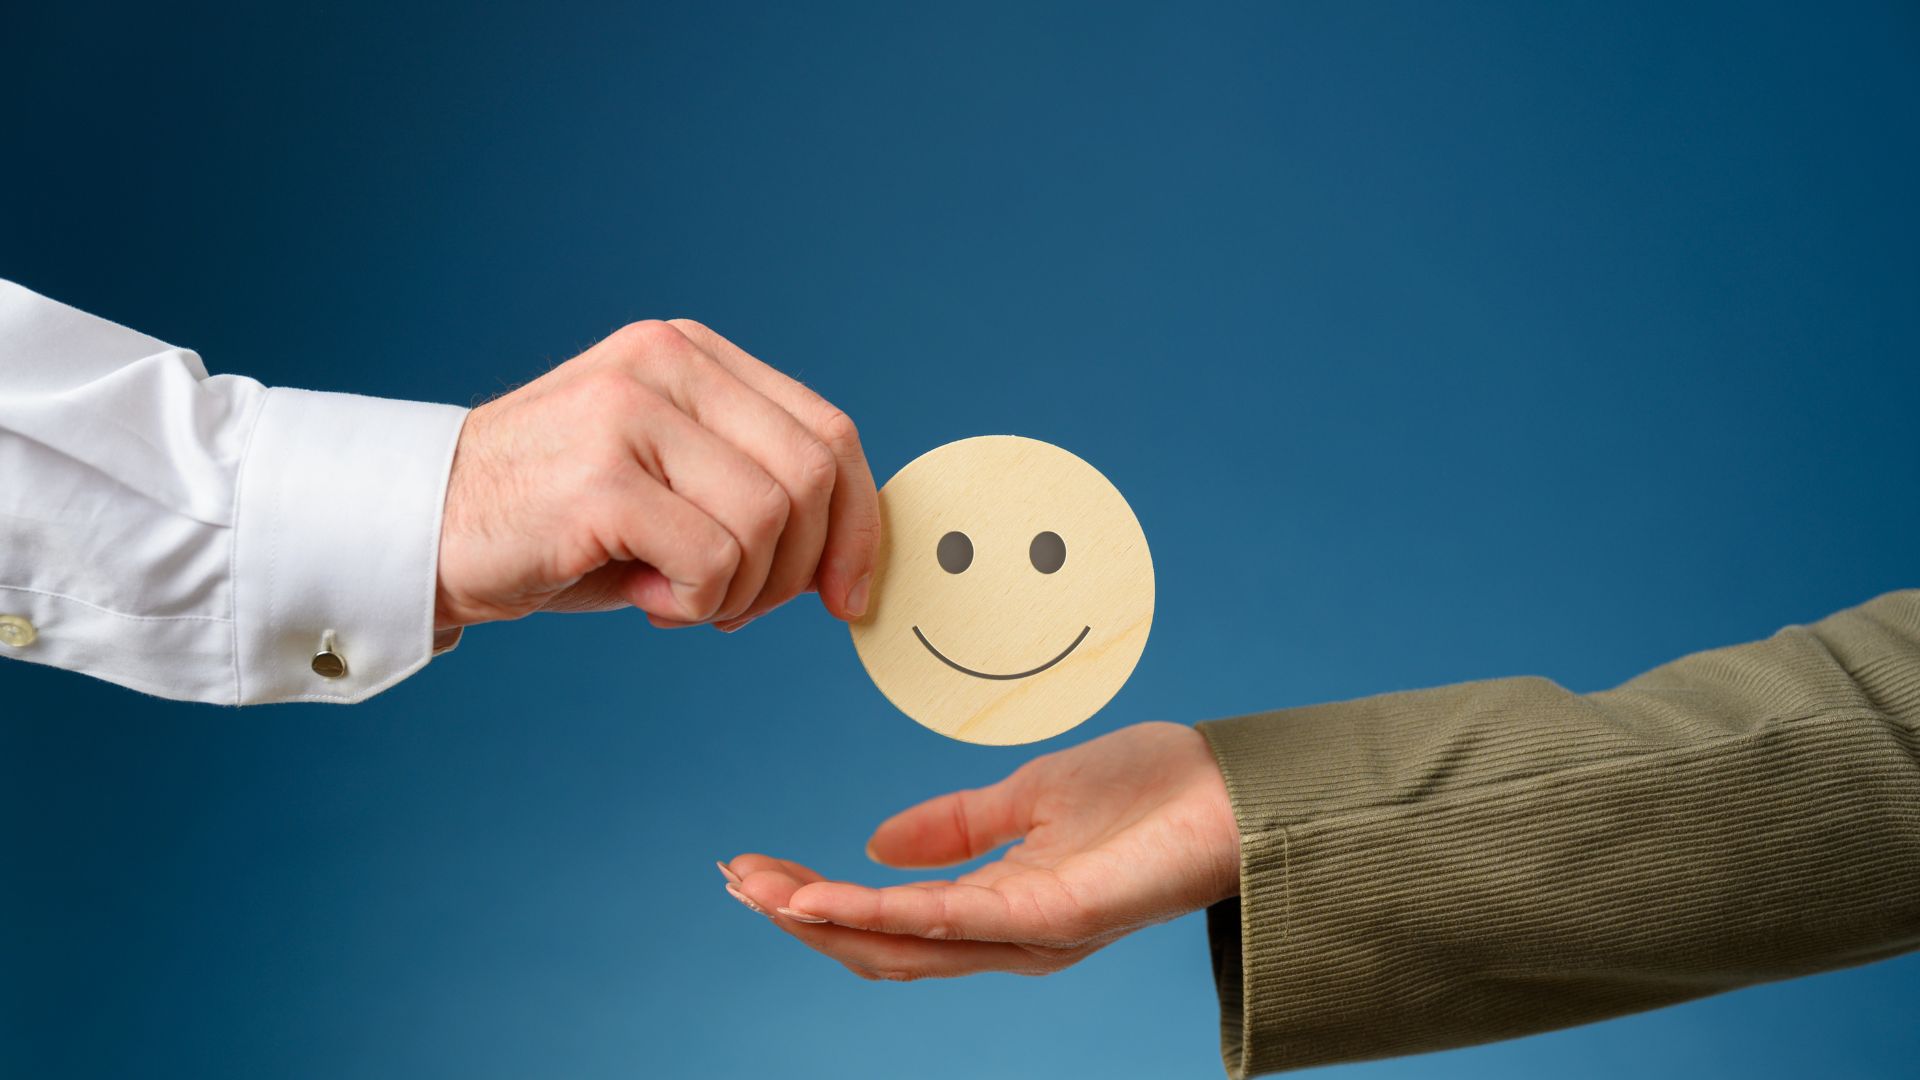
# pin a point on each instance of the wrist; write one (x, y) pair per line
(463, 542)
(1221, 829)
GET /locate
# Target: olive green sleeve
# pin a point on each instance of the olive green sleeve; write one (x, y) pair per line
(1453, 866)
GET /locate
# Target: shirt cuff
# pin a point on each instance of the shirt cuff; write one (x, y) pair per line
(338, 538)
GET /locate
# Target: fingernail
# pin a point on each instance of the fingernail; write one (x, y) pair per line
(734, 892)
(727, 872)
(736, 624)
(683, 595)
(857, 596)
(801, 916)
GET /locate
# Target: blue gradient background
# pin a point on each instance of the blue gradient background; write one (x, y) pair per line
(1428, 345)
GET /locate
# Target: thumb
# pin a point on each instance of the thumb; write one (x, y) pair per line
(954, 827)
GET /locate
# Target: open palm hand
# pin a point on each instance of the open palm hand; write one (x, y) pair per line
(1128, 830)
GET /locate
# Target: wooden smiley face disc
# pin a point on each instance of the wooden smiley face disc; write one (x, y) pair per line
(1012, 593)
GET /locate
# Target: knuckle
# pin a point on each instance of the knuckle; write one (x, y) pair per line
(817, 467)
(838, 431)
(607, 389)
(767, 508)
(654, 350)
(963, 819)
(866, 533)
(609, 407)
(690, 328)
(649, 335)
(941, 925)
(717, 559)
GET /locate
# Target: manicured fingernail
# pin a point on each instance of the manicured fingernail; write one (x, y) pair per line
(727, 872)
(734, 892)
(735, 624)
(801, 916)
(857, 596)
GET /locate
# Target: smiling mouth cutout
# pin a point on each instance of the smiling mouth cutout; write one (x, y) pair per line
(964, 670)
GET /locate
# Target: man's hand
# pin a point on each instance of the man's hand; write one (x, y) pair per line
(1128, 830)
(665, 469)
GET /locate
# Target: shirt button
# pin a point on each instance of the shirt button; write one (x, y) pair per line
(17, 632)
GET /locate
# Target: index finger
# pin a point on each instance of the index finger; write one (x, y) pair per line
(853, 511)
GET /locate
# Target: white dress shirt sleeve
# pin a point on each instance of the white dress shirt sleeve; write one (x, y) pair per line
(197, 537)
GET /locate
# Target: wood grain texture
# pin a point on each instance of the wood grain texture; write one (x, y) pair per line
(1002, 651)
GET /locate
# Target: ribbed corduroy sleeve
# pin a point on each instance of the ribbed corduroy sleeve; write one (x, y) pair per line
(1445, 867)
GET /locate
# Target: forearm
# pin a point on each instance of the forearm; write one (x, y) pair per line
(1477, 862)
(195, 537)
(215, 540)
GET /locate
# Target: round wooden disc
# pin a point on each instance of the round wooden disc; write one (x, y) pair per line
(1012, 593)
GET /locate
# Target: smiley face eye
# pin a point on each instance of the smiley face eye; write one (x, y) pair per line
(955, 552)
(1047, 552)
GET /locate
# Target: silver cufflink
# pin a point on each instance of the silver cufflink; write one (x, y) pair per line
(328, 663)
